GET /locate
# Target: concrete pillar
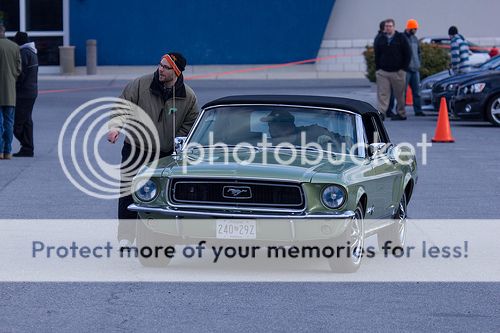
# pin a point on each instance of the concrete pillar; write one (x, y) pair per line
(67, 59)
(91, 57)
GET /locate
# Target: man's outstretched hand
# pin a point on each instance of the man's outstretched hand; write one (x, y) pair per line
(113, 135)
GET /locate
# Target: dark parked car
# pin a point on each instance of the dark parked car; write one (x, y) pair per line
(448, 87)
(427, 83)
(479, 98)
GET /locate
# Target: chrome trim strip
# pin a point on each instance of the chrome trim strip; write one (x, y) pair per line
(280, 105)
(360, 131)
(233, 177)
(187, 213)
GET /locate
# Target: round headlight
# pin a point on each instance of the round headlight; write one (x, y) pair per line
(428, 84)
(145, 190)
(333, 196)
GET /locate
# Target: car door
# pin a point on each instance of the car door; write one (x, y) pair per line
(384, 171)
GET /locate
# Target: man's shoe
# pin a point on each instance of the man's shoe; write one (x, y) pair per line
(1, 156)
(390, 114)
(420, 114)
(23, 154)
(398, 117)
(7, 156)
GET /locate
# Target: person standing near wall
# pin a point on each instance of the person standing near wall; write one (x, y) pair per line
(392, 57)
(10, 68)
(413, 72)
(26, 94)
(459, 52)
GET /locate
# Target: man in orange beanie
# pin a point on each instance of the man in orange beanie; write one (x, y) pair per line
(412, 73)
(161, 95)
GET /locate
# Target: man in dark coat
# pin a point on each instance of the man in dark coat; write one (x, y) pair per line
(392, 58)
(26, 94)
(389, 113)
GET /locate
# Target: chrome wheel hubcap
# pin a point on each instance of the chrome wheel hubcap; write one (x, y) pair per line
(402, 220)
(495, 110)
(357, 237)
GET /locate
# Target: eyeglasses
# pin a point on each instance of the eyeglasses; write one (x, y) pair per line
(165, 66)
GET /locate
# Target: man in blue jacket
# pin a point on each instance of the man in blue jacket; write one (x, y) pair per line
(413, 72)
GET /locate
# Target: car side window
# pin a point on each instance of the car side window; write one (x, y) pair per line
(373, 132)
(377, 136)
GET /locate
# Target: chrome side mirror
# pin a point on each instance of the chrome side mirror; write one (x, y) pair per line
(375, 148)
(179, 144)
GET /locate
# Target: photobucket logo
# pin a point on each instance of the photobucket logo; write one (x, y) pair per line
(83, 142)
(305, 153)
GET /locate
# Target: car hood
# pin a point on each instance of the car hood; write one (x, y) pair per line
(437, 77)
(487, 75)
(461, 77)
(336, 167)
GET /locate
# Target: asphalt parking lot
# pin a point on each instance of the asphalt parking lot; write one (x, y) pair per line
(459, 180)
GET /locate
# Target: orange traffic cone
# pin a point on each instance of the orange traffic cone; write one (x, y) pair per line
(409, 96)
(443, 130)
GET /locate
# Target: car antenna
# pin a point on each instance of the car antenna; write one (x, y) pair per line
(172, 111)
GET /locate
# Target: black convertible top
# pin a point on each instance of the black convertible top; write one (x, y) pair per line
(353, 105)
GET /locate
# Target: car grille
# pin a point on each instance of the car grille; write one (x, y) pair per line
(236, 193)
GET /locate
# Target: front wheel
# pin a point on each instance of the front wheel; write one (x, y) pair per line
(353, 239)
(152, 240)
(493, 110)
(396, 232)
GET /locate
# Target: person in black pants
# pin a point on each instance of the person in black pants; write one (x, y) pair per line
(126, 227)
(169, 103)
(26, 94)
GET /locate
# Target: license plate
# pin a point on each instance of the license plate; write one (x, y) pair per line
(234, 229)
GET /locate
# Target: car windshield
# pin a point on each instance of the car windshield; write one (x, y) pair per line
(278, 126)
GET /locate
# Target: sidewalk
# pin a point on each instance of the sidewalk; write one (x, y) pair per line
(209, 72)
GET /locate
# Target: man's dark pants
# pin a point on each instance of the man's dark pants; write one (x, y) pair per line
(127, 218)
(23, 124)
(413, 79)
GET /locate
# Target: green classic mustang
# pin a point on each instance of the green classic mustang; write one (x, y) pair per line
(281, 170)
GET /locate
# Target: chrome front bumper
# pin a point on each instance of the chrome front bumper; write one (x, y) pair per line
(217, 214)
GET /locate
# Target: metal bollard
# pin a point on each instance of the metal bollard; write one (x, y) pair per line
(91, 57)
(67, 59)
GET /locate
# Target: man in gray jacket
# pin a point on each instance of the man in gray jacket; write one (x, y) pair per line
(164, 97)
(10, 68)
(413, 74)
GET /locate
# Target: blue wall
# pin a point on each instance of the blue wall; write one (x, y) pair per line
(135, 32)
